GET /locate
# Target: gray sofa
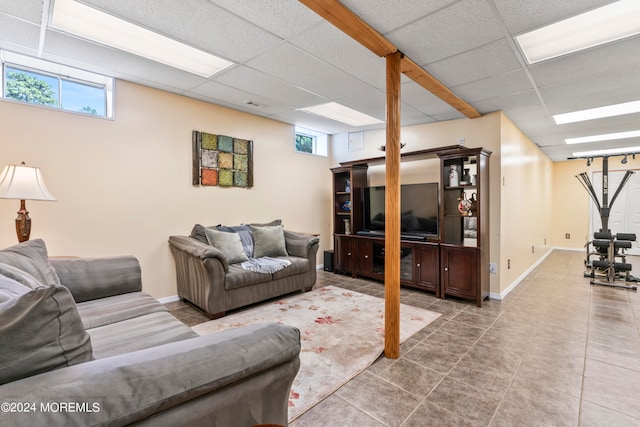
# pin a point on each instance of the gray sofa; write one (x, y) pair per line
(81, 345)
(207, 279)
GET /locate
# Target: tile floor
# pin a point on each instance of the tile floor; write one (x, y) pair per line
(555, 352)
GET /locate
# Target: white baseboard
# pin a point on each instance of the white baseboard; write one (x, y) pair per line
(520, 278)
(167, 300)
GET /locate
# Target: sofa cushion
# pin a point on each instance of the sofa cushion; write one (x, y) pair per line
(298, 266)
(268, 241)
(28, 263)
(246, 237)
(105, 311)
(228, 243)
(238, 277)
(10, 289)
(40, 330)
(138, 333)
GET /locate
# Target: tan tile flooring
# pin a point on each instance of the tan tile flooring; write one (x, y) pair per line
(556, 352)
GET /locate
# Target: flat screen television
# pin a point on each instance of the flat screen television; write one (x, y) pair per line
(418, 209)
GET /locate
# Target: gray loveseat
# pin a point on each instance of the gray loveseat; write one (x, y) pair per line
(81, 345)
(209, 279)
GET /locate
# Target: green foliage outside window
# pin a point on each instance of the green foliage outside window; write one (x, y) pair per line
(27, 88)
(304, 143)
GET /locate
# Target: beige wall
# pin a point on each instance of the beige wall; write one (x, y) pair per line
(571, 202)
(527, 187)
(124, 186)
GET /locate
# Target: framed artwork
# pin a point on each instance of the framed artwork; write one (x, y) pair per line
(220, 160)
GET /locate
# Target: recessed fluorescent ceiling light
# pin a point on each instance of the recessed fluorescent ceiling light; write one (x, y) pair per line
(609, 151)
(605, 24)
(603, 137)
(342, 114)
(92, 24)
(598, 113)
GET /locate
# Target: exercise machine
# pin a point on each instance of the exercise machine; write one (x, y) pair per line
(606, 254)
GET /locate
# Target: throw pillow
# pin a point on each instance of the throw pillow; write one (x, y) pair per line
(245, 236)
(10, 289)
(197, 232)
(40, 330)
(28, 263)
(228, 243)
(269, 241)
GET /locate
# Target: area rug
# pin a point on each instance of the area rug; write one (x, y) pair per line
(342, 333)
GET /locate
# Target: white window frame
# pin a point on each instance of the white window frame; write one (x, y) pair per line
(320, 141)
(61, 72)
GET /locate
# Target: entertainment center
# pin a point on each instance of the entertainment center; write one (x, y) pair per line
(444, 225)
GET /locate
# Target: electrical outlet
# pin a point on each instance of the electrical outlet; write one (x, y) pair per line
(509, 264)
(567, 236)
(493, 268)
(461, 140)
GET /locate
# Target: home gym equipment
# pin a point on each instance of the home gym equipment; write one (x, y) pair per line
(606, 258)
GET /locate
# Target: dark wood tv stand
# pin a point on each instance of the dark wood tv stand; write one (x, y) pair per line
(453, 263)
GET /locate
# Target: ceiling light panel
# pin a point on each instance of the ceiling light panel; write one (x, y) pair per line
(605, 24)
(603, 137)
(598, 113)
(611, 151)
(342, 114)
(92, 24)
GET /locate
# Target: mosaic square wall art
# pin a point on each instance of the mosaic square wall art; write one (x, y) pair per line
(220, 160)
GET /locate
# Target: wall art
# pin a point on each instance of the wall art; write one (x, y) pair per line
(220, 160)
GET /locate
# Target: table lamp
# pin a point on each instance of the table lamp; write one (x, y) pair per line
(23, 183)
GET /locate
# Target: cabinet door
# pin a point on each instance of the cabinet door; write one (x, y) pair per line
(363, 259)
(343, 249)
(459, 271)
(428, 266)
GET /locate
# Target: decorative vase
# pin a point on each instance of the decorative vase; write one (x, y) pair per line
(347, 206)
(347, 226)
(453, 176)
(347, 186)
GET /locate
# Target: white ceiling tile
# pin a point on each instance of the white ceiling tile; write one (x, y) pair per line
(460, 27)
(508, 102)
(388, 15)
(596, 60)
(216, 91)
(493, 58)
(16, 32)
(313, 122)
(491, 87)
(252, 81)
(198, 23)
(338, 49)
(422, 100)
(525, 15)
(283, 18)
(29, 10)
(289, 63)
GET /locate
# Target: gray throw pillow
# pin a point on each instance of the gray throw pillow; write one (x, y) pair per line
(228, 243)
(269, 241)
(246, 237)
(10, 289)
(40, 330)
(28, 263)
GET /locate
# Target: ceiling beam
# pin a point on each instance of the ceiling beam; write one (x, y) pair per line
(343, 18)
(339, 15)
(433, 85)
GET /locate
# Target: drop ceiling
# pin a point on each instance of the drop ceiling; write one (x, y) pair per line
(286, 57)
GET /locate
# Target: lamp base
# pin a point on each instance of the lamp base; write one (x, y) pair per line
(23, 223)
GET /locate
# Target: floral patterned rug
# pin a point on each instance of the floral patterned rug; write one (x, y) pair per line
(342, 333)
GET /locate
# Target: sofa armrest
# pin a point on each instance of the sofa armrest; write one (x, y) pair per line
(93, 278)
(132, 387)
(197, 249)
(300, 245)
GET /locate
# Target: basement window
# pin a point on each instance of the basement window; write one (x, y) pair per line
(39, 82)
(310, 141)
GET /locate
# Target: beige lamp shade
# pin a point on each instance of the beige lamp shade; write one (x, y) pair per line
(23, 183)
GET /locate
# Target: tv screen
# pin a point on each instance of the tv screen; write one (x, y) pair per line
(418, 209)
